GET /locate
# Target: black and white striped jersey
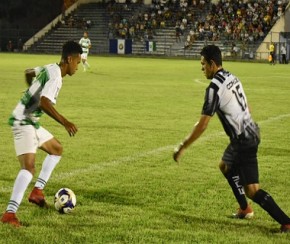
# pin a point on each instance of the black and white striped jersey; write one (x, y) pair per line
(226, 97)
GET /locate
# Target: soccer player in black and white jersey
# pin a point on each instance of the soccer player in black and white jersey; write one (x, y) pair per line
(225, 96)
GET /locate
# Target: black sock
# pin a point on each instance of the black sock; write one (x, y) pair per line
(238, 190)
(267, 203)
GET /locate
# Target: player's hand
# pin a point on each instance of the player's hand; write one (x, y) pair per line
(178, 152)
(70, 128)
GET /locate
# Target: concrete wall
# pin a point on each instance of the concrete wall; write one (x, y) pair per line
(147, 2)
(287, 18)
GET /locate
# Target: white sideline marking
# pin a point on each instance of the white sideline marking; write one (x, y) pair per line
(170, 148)
(271, 119)
(201, 82)
(106, 164)
(206, 83)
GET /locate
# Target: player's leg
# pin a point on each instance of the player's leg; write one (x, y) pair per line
(87, 63)
(25, 146)
(84, 61)
(250, 176)
(83, 57)
(84, 64)
(284, 58)
(53, 148)
(233, 178)
(265, 200)
(54, 152)
(231, 173)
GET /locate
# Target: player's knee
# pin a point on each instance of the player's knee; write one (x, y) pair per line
(30, 167)
(58, 149)
(27, 162)
(250, 194)
(55, 148)
(223, 167)
(251, 190)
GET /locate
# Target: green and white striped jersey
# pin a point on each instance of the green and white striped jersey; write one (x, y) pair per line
(85, 43)
(47, 83)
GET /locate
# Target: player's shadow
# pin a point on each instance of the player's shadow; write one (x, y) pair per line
(112, 197)
(228, 222)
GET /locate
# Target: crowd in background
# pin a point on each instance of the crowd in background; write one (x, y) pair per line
(238, 21)
(160, 14)
(231, 20)
(241, 21)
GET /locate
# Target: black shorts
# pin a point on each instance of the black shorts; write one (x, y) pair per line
(242, 158)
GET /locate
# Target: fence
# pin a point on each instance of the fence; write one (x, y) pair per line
(279, 39)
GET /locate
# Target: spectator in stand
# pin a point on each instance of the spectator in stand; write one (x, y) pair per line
(182, 28)
(235, 19)
(177, 32)
(235, 50)
(188, 43)
(255, 17)
(132, 32)
(184, 21)
(283, 53)
(70, 21)
(19, 45)
(9, 46)
(88, 24)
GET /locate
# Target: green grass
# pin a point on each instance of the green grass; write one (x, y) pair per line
(131, 112)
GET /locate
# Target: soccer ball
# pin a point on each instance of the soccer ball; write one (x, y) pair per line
(65, 200)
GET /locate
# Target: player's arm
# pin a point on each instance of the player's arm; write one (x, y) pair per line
(48, 108)
(197, 131)
(29, 75)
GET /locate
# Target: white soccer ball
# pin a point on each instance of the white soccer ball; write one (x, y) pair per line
(65, 200)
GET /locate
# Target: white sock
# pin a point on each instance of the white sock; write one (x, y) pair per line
(84, 65)
(48, 166)
(21, 183)
(87, 64)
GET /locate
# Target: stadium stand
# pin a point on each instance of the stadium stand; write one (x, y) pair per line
(91, 17)
(178, 27)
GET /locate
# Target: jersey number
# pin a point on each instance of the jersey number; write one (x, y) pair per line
(240, 97)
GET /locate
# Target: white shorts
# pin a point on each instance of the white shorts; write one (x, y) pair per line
(27, 138)
(84, 56)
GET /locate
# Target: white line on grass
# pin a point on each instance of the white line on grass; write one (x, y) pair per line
(201, 82)
(103, 165)
(263, 77)
(244, 77)
(169, 149)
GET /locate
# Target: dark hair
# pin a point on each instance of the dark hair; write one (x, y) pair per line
(70, 48)
(212, 52)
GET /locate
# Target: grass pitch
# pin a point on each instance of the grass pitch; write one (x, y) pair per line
(131, 112)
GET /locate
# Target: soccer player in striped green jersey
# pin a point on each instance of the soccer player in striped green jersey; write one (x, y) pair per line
(85, 42)
(44, 85)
